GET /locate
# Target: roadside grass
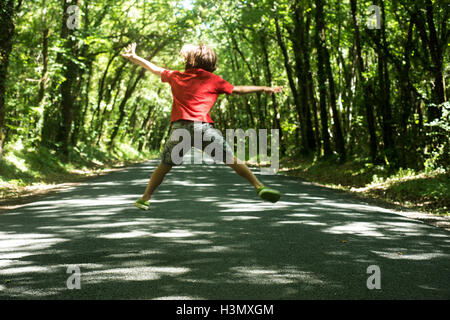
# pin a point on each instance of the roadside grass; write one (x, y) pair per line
(28, 170)
(426, 191)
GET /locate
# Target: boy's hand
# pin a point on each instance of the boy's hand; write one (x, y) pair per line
(129, 52)
(271, 90)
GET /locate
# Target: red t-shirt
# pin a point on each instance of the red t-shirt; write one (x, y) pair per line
(194, 93)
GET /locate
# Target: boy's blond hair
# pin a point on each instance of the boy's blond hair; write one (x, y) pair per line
(200, 56)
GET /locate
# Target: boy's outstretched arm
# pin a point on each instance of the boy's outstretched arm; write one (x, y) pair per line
(251, 89)
(130, 54)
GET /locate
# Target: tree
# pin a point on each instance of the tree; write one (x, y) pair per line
(384, 100)
(365, 86)
(7, 10)
(322, 77)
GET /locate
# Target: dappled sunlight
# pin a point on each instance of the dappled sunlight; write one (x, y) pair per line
(142, 181)
(164, 200)
(15, 242)
(353, 206)
(194, 242)
(25, 292)
(125, 235)
(307, 197)
(179, 234)
(14, 269)
(302, 215)
(110, 201)
(132, 274)
(404, 254)
(102, 184)
(135, 254)
(356, 228)
(208, 235)
(208, 199)
(287, 222)
(347, 214)
(216, 249)
(404, 228)
(245, 205)
(110, 225)
(426, 287)
(101, 213)
(279, 276)
(239, 218)
(191, 183)
(305, 222)
(378, 229)
(178, 298)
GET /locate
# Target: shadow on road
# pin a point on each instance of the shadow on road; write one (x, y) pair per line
(208, 236)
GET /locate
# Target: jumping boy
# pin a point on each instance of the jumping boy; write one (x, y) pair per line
(194, 93)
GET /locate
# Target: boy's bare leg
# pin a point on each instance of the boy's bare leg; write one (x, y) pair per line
(155, 180)
(242, 170)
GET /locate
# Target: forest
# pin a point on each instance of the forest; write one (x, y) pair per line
(364, 106)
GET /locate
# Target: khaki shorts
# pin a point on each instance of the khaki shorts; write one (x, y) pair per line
(210, 138)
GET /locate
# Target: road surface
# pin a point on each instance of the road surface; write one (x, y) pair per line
(208, 236)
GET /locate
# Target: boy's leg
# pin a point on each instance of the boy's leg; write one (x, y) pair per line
(155, 180)
(214, 135)
(264, 192)
(242, 170)
(165, 165)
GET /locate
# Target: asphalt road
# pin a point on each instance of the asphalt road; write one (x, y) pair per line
(208, 236)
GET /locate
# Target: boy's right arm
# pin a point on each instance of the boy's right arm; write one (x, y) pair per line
(129, 53)
(251, 89)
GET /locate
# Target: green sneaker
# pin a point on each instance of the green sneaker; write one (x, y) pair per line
(141, 204)
(268, 194)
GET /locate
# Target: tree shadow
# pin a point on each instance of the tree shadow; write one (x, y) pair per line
(208, 236)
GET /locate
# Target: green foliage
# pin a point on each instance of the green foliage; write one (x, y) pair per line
(439, 157)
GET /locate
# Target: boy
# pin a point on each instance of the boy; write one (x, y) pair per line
(194, 93)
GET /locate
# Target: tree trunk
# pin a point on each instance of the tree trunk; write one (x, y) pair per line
(6, 40)
(128, 93)
(97, 119)
(384, 97)
(432, 46)
(295, 94)
(339, 138)
(70, 73)
(320, 45)
(298, 38)
(44, 76)
(365, 87)
(406, 95)
(310, 82)
(145, 127)
(101, 85)
(276, 120)
(79, 128)
(438, 63)
(252, 76)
